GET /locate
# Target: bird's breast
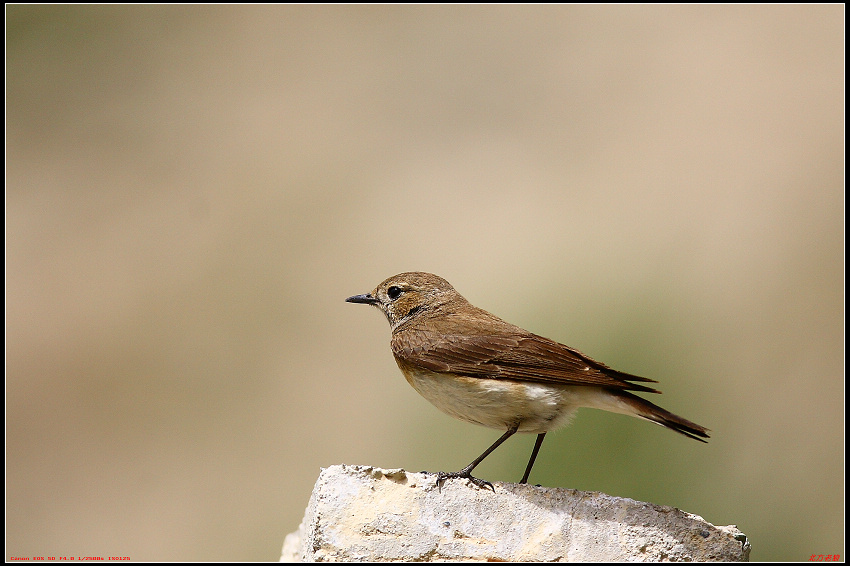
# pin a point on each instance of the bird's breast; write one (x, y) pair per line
(496, 403)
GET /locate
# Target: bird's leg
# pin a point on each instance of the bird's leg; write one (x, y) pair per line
(466, 473)
(535, 450)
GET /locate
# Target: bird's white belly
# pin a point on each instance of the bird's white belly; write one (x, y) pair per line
(499, 403)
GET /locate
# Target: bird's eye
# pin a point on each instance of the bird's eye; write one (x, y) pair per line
(394, 292)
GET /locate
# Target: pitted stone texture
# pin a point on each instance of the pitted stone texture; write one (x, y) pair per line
(362, 513)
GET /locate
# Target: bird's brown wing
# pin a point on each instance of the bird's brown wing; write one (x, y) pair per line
(518, 355)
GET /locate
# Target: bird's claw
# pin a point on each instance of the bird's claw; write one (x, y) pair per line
(443, 476)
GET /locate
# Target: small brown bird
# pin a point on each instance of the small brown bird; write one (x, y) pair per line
(480, 369)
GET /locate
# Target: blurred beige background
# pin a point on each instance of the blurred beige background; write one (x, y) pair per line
(193, 191)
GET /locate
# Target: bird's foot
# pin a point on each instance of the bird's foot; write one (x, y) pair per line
(463, 474)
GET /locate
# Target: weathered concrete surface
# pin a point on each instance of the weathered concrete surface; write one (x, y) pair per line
(361, 513)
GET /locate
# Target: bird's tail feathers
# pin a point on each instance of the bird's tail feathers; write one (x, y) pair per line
(644, 409)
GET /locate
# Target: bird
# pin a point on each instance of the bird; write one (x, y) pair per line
(474, 366)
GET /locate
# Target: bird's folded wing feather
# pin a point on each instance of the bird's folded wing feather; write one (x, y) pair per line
(518, 355)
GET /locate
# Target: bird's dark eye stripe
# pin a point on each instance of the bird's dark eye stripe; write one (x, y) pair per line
(394, 292)
(414, 310)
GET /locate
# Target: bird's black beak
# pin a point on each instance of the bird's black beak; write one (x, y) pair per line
(366, 299)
